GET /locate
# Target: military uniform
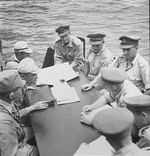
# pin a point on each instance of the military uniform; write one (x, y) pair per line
(128, 90)
(72, 52)
(115, 124)
(131, 150)
(11, 131)
(138, 105)
(144, 134)
(116, 76)
(32, 93)
(97, 60)
(138, 71)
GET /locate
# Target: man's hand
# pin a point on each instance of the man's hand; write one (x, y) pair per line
(147, 92)
(87, 109)
(86, 87)
(87, 119)
(39, 105)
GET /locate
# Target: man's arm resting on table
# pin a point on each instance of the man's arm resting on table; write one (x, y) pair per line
(92, 83)
(147, 92)
(37, 106)
(99, 103)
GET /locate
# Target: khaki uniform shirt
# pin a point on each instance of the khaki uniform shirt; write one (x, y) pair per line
(98, 61)
(12, 63)
(72, 52)
(144, 135)
(138, 71)
(128, 90)
(131, 150)
(11, 132)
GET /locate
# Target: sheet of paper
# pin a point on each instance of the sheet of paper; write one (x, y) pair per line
(99, 147)
(64, 94)
(52, 75)
(73, 98)
(61, 91)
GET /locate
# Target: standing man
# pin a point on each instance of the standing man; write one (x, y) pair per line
(140, 107)
(97, 57)
(115, 124)
(68, 48)
(130, 61)
(21, 51)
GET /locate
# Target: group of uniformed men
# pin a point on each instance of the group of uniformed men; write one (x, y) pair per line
(125, 80)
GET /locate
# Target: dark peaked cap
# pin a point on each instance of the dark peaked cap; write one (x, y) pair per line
(128, 41)
(95, 39)
(111, 75)
(62, 29)
(114, 123)
(137, 103)
(96, 36)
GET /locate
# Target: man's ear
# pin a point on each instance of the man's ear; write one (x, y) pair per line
(11, 95)
(22, 76)
(144, 117)
(136, 47)
(114, 87)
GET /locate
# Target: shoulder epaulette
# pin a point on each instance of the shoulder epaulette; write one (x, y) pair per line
(75, 40)
(57, 39)
(30, 88)
(142, 62)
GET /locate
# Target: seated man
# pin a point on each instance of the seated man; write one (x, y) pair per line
(132, 63)
(97, 57)
(115, 124)
(11, 131)
(28, 71)
(68, 48)
(115, 82)
(140, 107)
(21, 51)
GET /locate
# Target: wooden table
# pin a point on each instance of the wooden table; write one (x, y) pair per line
(58, 129)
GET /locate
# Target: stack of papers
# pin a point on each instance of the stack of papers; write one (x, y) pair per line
(52, 75)
(64, 94)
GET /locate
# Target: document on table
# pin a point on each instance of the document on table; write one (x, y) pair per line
(64, 94)
(99, 147)
(52, 75)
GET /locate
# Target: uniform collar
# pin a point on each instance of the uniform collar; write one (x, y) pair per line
(136, 57)
(15, 58)
(122, 90)
(126, 150)
(143, 129)
(7, 105)
(133, 62)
